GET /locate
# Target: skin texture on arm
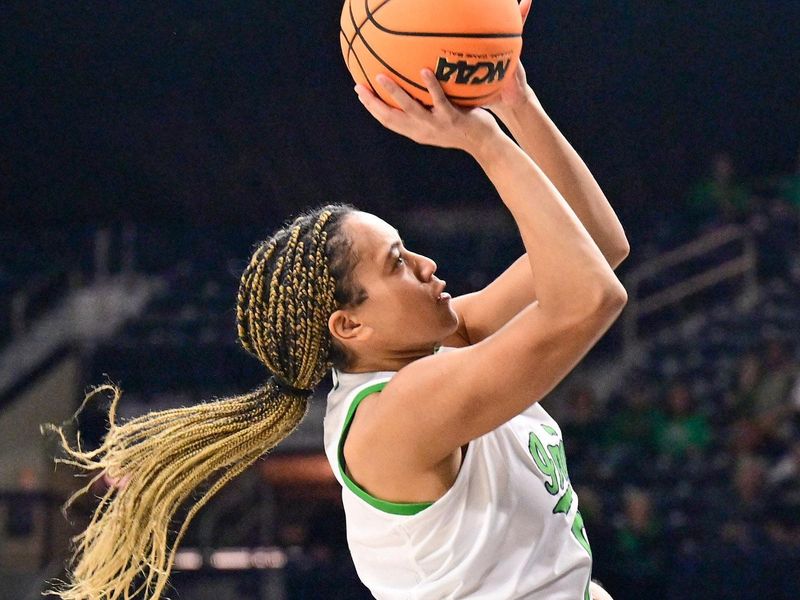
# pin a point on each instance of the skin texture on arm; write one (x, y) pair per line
(484, 312)
(419, 423)
(544, 143)
(518, 107)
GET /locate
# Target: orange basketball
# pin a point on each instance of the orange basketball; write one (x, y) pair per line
(471, 45)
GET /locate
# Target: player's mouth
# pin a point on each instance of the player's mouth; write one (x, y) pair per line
(442, 297)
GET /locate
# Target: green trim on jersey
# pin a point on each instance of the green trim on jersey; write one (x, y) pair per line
(394, 508)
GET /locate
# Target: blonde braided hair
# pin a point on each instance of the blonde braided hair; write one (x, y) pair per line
(165, 456)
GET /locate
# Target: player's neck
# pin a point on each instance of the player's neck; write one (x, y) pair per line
(388, 362)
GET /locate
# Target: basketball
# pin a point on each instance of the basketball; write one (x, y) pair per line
(472, 46)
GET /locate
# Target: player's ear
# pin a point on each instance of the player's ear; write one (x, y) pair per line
(346, 327)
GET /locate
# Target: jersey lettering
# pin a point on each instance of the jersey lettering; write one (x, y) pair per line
(551, 460)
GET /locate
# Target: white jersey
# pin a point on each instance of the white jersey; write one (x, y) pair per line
(508, 528)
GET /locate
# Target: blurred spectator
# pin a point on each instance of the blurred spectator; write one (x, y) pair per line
(771, 401)
(718, 197)
(794, 401)
(631, 434)
(740, 400)
(685, 431)
(743, 562)
(639, 548)
(761, 403)
(743, 433)
(745, 509)
(582, 425)
(22, 515)
(784, 476)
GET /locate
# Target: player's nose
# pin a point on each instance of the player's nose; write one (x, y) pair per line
(426, 267)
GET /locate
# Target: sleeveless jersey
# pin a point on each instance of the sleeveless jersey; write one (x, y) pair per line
(508, 528)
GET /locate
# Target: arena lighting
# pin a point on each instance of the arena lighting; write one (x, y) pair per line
(188, 560)
(230, 559)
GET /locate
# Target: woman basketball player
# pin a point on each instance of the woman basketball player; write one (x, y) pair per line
(454, 478)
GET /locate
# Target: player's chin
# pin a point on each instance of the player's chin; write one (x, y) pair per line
(439, 325)
(449, 321)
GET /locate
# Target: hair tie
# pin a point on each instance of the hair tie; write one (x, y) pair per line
(285, 388)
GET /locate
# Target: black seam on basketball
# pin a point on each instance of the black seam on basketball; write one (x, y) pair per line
(364, 71)
(433, 33)
(371, 51)
(388, 66)
(478, 97)
(349, 46)
(358, 29)
(384, 63)
(353, 52)
(400, 75)
(360, 66)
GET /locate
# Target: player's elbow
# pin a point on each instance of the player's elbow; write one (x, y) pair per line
(599, 307)
(619, 252)
(608, 300)
(595, 302)
(615, 297)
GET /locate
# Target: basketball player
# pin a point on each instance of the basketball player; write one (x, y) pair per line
(454, 478)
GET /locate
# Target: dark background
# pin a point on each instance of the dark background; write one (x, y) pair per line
(158, 141)
(239, 111)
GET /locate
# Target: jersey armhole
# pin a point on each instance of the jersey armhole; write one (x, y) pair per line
(394, 508)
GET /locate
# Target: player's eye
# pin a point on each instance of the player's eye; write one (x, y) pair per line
(400, 261)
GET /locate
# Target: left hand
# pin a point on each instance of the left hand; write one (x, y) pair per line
(515, 91)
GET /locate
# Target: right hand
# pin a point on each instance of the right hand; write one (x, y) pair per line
(515, 91)
(443, 125)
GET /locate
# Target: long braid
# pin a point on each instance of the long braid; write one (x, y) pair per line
(291, 285)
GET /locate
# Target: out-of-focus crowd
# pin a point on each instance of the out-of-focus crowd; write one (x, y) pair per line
(681, 493)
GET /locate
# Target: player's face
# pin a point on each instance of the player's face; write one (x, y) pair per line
(406, 313)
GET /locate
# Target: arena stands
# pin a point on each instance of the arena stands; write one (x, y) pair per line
(686, 458)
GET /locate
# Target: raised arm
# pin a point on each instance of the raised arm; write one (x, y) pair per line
(533, 129)
(484, 312)
(437, 404)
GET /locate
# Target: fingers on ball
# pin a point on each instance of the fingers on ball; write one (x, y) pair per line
(376, 107)
(434, 88)
(403, 99)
